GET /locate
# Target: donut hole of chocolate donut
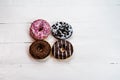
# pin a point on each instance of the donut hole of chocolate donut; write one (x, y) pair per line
(40, 48)
(62, 49)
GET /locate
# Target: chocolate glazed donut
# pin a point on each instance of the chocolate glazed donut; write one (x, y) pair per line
(40, 49)
(62, 49)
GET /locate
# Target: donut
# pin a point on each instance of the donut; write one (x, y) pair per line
(40, 49)
(62, 49)
(40, 29)
(61, 30)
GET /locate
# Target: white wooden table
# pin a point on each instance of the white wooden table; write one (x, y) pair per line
(96, 39)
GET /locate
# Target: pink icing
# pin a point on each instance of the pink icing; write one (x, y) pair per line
(40, 29)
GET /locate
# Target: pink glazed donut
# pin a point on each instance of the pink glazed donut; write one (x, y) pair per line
(40, 29)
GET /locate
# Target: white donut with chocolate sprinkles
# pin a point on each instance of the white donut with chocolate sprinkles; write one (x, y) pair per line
(62, 30)
(62, 49)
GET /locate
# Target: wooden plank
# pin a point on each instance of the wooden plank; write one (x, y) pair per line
(60, 71)
(94, 53)
(58, 2)
(14, 33)
(84, 13)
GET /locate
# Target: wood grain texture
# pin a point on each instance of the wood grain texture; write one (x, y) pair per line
(96, 39)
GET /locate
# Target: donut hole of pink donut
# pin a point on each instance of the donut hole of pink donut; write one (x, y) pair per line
(40, 29)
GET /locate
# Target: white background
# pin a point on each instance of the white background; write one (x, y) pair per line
(96, 39)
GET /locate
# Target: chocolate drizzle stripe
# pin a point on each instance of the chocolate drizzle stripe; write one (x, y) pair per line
(69, 49)
(62, 55)
(62, 52)
(60, 43)
(54, 50)
(65, 51)
(68, 53)
(58, 50)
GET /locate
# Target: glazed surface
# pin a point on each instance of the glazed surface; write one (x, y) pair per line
(40, 29)
(40, 49)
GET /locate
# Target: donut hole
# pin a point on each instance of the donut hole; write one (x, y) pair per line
(41, 28)
(40, 47)
(62, 49)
